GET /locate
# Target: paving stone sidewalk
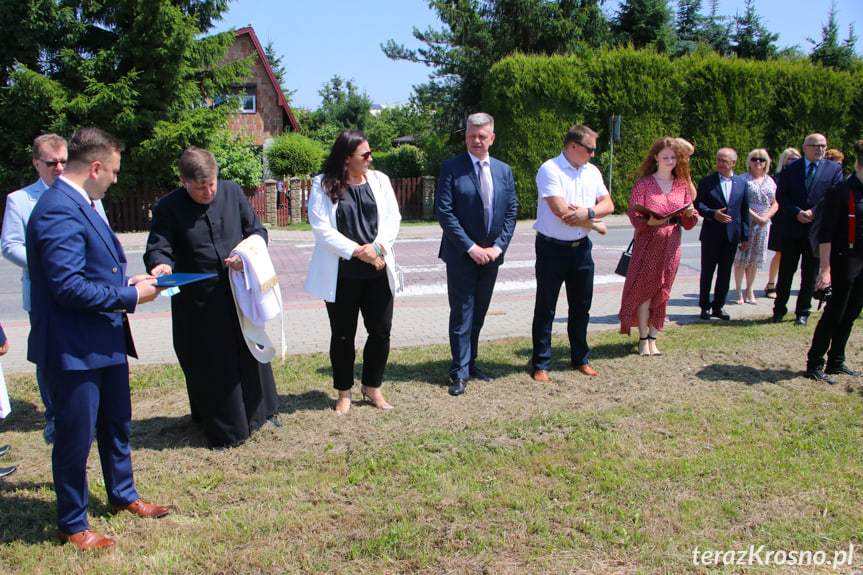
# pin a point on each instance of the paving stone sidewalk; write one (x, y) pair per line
(421, 315)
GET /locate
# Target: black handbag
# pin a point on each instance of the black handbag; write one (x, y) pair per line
(623, 264)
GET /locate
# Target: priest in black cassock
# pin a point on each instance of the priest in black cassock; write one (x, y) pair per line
(194, 229)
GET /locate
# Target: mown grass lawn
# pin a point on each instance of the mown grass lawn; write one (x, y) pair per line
(719, 445)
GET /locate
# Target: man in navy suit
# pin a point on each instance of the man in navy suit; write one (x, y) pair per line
(800, 188)
(80, 335)
(723, 202)
(476, 207)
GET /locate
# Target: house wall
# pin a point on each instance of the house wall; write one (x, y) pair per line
(269, 120)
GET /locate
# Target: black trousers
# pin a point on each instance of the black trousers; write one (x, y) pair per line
(794, 250)
(372, 298)
(557, 265)
(718, 257)
(843, 308)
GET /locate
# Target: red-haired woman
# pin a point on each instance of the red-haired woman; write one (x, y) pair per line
(664, 188)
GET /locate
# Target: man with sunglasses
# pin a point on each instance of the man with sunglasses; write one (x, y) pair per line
(571, 195)
(49, 159)
(800, 188)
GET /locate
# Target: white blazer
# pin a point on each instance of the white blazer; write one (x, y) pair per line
(330, 244)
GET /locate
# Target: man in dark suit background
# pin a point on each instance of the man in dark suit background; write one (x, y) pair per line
(800, 188)
(723, 202)
(476, 207)
(80, 335)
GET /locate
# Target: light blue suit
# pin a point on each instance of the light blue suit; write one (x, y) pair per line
(79, 336)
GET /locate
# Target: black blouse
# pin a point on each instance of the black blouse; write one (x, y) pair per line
(357, 219)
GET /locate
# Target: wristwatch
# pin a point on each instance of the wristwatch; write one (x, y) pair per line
(590, 213)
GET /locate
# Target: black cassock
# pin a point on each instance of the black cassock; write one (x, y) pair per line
(231, 394)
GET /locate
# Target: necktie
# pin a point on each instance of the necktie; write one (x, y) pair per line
(485, 187)
(810, 174)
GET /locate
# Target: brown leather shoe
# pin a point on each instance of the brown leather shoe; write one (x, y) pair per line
(540, 375)
(86, 540)
(142, 509)
(587, 370)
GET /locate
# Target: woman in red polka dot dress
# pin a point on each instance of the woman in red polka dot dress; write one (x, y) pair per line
(662, 189)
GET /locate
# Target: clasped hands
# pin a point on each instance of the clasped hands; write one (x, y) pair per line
(369, 254)
(482, 256)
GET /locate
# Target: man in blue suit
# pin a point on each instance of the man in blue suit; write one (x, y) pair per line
(80, 336)
(800, 188)
(476, 208)
(723, 202)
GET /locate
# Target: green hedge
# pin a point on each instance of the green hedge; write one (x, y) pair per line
(709, 100)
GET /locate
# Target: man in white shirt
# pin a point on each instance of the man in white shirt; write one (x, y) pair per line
(571, 196)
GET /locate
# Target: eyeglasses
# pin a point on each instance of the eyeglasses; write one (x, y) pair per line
(588, 148)
(822, 146)
(364, 155)
(53, 164)
(758, 160)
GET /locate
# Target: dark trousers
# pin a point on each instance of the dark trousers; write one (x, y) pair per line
(85, 401)
(469, 289)
(715, 257)
(555, 265)
(373, 299)
(843, 308)
(46, 396)
(794, 250)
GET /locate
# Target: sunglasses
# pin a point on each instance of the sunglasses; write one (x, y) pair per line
(364, 155)
(588, 148)
(758, 160)
(53, 164)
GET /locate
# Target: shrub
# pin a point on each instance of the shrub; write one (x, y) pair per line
(403, 162)
(237, 159)
(294, 155)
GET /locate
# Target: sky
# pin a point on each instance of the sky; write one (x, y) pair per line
(322, 38)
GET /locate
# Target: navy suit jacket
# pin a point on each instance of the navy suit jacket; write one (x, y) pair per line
(793, 197)
(78, 285)
(459, 207)
(710, 199)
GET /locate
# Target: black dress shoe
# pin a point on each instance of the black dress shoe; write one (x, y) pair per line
(457, 387)
(4, 450)
(6, 471)
(477, 373)
(818, 375)
(801, 320)
(705, 314)
(842, 370)
(720, 313)
(777, 318)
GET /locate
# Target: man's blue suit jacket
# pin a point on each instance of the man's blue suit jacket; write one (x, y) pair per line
(459, 207)
(793, 197)
(78, 285)
(710, 199)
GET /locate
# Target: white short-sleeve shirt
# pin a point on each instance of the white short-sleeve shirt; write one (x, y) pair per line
(581, 187)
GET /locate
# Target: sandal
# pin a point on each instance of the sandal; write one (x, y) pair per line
(740, 299)
(770, 291)
(645, 347)
(653, 339)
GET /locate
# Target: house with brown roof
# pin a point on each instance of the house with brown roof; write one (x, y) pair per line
(264, 111)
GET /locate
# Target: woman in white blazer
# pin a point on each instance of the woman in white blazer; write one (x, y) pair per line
(355, 217)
